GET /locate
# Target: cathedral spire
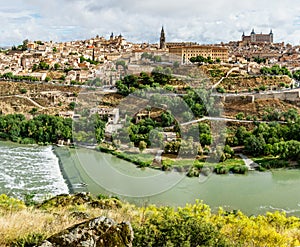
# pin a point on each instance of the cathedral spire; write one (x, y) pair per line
(162, 40)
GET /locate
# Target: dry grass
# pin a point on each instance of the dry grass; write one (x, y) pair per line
(20, 224)
(258, 108)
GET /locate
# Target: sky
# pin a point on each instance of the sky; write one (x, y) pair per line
(201, 21)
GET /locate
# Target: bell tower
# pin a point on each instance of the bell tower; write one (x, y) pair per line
(162, 40)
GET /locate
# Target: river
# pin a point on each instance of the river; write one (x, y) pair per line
(26, 169)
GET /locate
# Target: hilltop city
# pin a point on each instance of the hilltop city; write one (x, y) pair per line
(86, 59)
(177, 108)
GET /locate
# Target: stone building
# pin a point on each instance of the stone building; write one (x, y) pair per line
(254, 38)
(162, 40)
(184, 53)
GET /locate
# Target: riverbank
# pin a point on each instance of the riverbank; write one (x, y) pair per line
(194, 224)
(237, 164)
(191, 167)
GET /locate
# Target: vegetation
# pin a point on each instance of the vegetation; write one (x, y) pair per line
(202, 60)
(11, 77)
(151, 57)
(192, 225)
(41, 66)
(275, 70)
(41, 129)
(83, 59)
(281, 141)
(259, 60)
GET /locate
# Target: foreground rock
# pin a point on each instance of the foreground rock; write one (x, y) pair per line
(97, 232)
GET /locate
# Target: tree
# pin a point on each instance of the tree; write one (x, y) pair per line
(56, 66)
(23, 90)
(47, 79)
(35, 67)
(142, 146)
(33, 111)
(24, 45)
(205, 139)
(156, 139)
(99, 129)
(255, 145)
(167, 119)
(43, 65)
(72, 106)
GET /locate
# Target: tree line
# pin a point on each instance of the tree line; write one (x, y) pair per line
(42, 129)
(47, 129)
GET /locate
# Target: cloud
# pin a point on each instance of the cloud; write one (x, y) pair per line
(201, 21)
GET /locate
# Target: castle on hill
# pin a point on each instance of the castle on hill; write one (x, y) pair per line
(254, 38)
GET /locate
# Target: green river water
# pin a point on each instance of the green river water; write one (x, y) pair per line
(254, 193)
(35, 169)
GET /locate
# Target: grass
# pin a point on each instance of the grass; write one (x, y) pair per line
(140, 159)
(30, 226)
(272, 163)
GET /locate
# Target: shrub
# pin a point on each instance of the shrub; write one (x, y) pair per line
(167, 227)
(240, 116)
(221, 169)
(23, 90)
(221, 90)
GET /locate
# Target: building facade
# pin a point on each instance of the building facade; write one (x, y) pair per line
(254, 38)
(184, 53)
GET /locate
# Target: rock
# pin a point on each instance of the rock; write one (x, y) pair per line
(98, 232)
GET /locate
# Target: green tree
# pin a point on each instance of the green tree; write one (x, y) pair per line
(142, 146)
(255, 145)
(56, 66)
(72, 106)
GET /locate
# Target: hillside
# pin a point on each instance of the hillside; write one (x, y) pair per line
(258, 108)
(28, 224)
(20, 97)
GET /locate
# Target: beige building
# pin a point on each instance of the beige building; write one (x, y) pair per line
(184, 53)
(254, 38)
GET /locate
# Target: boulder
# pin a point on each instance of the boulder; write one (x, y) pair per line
(98, 232)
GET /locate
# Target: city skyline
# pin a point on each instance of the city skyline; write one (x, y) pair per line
(139, 21)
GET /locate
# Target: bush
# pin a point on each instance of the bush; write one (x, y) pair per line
(32, 239)
(221, 90)
(27, 141)
(263, 88)
(239, 169)
(9, 203)
(221, 169)
(167, 227)
(240, 116)
(23, 90)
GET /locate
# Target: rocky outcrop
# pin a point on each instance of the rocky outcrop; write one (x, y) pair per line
(97, 232)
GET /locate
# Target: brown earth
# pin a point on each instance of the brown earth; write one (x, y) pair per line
(21, 97)
(258, 108)
(246, 83)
